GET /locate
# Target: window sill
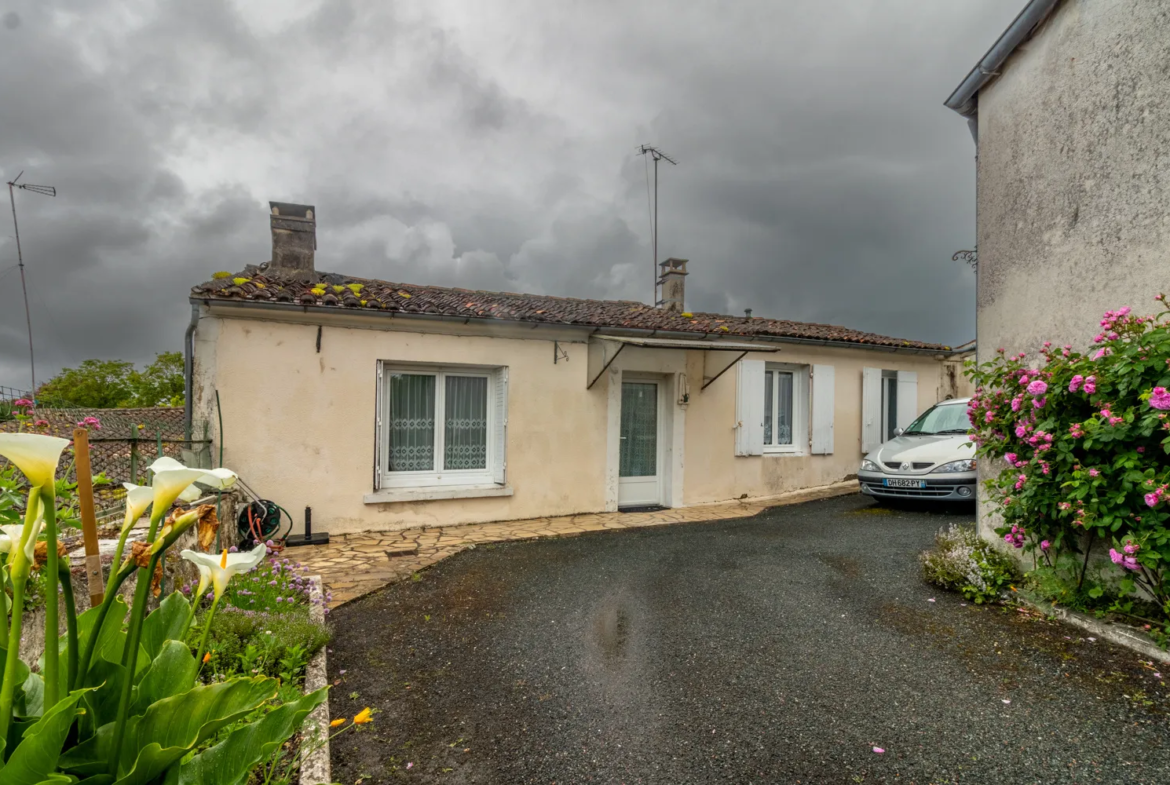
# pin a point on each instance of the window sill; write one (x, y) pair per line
(433, 493)
(785, 453)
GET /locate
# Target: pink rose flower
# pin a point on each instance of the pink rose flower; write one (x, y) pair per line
(1094, 473)
(1075, 384)
(1045, 545)
(1160, 398)
(1090, 385)
(1115, 556)
(1038, 387)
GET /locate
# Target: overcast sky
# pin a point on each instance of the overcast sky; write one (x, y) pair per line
(488, 144)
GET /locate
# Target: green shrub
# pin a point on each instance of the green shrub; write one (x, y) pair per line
(256, 643)
(1079, 448)
(962, 561)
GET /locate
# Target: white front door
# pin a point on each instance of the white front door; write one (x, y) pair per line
(639, 462)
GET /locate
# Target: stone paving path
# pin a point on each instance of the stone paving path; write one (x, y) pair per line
(352, 565)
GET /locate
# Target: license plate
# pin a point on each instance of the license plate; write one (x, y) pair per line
(898, 483)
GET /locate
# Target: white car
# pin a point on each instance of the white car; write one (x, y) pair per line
(934, 458)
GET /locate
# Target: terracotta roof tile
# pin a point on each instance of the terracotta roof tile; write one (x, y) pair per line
(345, 292)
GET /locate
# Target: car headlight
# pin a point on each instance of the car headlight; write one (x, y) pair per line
(958, 466)
(869, 466)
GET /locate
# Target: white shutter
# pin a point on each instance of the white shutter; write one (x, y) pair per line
(499, 404)
(823, 377)
(871, 409)
(749, 407)
(378, 429)
(907, 398)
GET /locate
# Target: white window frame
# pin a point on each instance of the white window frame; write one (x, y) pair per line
(439, 478)
(800, 408)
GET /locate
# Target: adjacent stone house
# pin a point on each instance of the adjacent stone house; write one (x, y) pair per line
(1070, 113)
(388, 405)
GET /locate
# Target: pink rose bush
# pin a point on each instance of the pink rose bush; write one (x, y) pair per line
(1085, 444)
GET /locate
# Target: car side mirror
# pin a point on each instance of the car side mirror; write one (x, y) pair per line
(897, 431)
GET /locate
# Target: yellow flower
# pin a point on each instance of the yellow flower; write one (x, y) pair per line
(240, 281)
(207, 658)
(363, 717)
(221, 274)
(354, 287)
(687, 314)
(403, 294)
(337, 722)
(319, 292)
(338, 289)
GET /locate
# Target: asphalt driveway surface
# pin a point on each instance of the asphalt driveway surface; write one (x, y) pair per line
(778, 649)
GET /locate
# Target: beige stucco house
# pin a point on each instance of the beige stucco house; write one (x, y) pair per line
(1070, 112)
(385, 405)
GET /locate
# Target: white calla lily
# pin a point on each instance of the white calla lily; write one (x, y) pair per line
(138, 498)
(35, 455)
(173, 480)
(221, 568)
(10, 536)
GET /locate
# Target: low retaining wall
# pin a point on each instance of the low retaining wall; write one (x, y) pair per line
(316, 768)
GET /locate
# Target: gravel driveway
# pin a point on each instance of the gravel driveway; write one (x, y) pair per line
(777, 649)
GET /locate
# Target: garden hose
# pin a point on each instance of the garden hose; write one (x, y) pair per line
(259, 521)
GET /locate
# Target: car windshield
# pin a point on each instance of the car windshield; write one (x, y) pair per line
(942, 419)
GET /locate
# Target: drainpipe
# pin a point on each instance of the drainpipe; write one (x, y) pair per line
(189, 370)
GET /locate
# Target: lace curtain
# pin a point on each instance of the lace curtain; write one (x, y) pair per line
(777, 407)
(465, 434)
(412, 423)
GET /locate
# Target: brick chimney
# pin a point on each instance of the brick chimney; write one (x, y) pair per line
(294, 240)
(673, 278)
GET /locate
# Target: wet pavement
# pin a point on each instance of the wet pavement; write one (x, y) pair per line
(779, 648)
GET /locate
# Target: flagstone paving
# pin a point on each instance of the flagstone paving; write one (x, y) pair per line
(352, 565)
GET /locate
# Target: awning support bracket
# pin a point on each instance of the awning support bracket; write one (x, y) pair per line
(608, 363)
(709, 382)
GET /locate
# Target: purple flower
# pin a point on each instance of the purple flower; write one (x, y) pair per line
(1152, 499)
(1010, 458)
(1091, 385)
(1075, 384)
(1131, 548)
(1116, 557)
(1130, 563)
(1045, 545)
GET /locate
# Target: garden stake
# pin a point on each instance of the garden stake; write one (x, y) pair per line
(93, 559)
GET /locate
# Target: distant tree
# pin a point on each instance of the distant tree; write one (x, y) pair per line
(116, 384)
(161, 383)
(95, 384)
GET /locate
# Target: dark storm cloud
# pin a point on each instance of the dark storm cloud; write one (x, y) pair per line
(488, 145)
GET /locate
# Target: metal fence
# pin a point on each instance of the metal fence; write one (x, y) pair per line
(124, 443)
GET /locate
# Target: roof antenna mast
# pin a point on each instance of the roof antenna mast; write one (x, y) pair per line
(44, 190)
(657, 155)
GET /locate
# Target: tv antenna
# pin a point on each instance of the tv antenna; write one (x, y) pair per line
(657, 155)
(43, 190)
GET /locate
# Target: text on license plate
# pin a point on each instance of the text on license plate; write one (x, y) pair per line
(898, 483)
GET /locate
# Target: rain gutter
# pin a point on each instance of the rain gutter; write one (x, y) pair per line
(189, 369)
(965, 98)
